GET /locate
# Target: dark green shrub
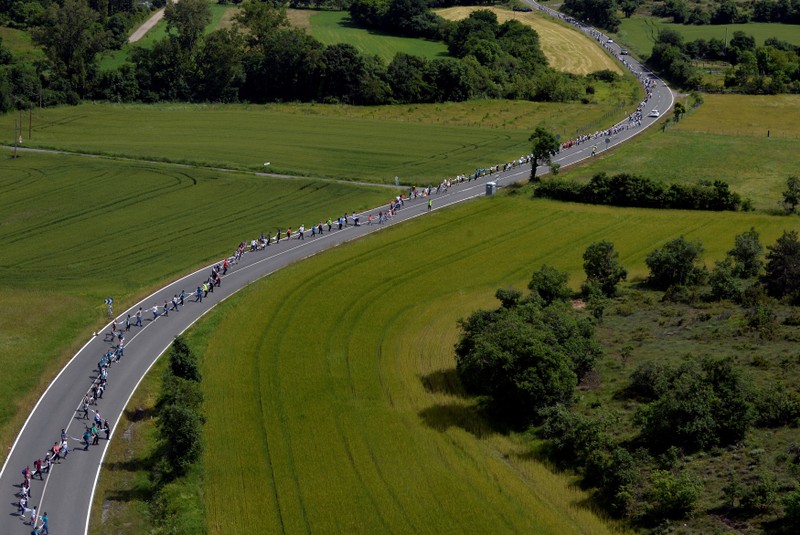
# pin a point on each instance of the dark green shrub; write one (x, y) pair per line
(672, 496)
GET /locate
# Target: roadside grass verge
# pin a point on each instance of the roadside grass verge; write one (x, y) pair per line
(724, 139)
(419, 143)
(334, 27)
(75, 230)
(566, 49)
(639, 32)
(330, 385)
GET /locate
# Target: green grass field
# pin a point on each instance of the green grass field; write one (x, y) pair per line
(20, 44)
(330, 385)
(333, 27)
(75, 230)
(419, 143)
(724, 139)
(638, 33)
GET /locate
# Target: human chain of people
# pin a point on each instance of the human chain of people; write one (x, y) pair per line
(84, 426)
(645, 77)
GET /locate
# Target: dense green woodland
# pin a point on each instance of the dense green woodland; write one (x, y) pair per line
(263, 59)
(647, 446)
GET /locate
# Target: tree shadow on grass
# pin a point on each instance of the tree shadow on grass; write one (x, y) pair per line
(139, 413)
(443, 416)
(139, 493)
(443, 382)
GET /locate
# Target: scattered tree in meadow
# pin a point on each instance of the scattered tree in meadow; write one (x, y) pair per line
(550, 284)
(544, 145)
(791, 197)
(675, 264)
(602, 267)
(747, 254)
(782, 277)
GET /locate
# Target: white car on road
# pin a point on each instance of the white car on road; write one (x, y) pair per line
(653, 113)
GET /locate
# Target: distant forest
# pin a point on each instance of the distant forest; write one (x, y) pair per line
(264, 59)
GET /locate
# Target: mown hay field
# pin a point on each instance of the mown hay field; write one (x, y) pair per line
(419, 143)
(639, 33)
(331, 396)
(75, 230)
(726, 139)
(566, 49)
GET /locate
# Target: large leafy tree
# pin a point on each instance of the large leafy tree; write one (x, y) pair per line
(602, 267)
(747, 254)
(71, 35)
(544, 145)
(782, 277)
(675, 263)
(188, 19)
(524, 356)
(512, 362)
(791, 197)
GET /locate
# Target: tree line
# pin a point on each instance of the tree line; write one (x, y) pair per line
(637, 191)
(730, 12)
(772, 68)
(264, 59)
(525, 359)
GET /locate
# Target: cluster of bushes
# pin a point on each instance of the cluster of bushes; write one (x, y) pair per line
(599, 13)
(632, 190)
(742, 277)
(528, 354)
(525, 359)
(179, 410)
(771, 68)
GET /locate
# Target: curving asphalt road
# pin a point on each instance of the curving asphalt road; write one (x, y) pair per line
(66, 492)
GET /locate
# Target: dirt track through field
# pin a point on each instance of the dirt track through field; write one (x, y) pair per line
(142, 30)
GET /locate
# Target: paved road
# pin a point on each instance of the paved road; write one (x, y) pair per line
(66, 493)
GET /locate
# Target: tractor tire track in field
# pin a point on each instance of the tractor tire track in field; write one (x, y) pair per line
(263, 422)
(374, 295)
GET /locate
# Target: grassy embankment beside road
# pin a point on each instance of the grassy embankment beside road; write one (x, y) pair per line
(330, 385)
(724, 139)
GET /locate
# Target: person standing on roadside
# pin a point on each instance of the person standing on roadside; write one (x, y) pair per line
(430, 205)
